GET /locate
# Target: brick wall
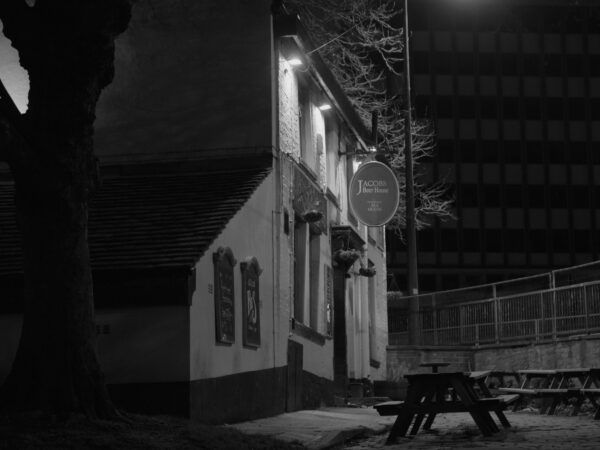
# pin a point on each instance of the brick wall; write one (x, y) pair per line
(403, 360)
(574, 352)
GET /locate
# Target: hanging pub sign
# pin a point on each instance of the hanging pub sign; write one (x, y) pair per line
(251, 302)
(224, 262)
(374, 194)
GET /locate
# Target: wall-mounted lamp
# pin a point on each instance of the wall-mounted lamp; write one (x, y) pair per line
(325, 107)
(295, 62)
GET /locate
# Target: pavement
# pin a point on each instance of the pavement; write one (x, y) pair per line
(320, 428)
(362, 428)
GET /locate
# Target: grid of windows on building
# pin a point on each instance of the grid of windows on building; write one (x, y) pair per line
(513, 89)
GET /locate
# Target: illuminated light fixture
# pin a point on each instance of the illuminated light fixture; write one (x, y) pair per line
(295, 62)
(372, 148)
(325, 107)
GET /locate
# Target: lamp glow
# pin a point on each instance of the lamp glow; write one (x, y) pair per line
(325, 107)
(295, 62)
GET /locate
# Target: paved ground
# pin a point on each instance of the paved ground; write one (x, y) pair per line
(335, 427)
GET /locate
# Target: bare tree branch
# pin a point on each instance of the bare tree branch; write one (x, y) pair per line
(364, 51)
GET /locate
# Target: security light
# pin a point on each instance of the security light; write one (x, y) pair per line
(295, 62)
(325, 107)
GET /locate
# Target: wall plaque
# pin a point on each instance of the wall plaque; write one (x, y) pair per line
(251, 302)
(224, 262)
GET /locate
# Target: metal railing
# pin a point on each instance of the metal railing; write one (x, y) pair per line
(561, 277)
(546, 314)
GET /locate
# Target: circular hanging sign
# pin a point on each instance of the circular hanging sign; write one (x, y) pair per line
(374, 194)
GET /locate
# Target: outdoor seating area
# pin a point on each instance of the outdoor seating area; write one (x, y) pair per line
(481, 393)
(556, 386)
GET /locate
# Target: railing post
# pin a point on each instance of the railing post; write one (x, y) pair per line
(461, 321)
(435, 322)
(554, 314)
(585, 309)
(496, 315)
(542, 312)
(536, 325)
(477, 335)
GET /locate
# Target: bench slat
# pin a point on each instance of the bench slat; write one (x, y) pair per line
(517, 390)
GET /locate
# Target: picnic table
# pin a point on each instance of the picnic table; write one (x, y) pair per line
(559, 385)
(430, 394)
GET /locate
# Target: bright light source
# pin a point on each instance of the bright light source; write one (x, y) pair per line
(325, 107)
(372, 148)
(295, 62)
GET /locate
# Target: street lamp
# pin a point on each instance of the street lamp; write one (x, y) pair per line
(411, 231)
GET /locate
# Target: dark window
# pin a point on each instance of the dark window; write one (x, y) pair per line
(576, 109)
(445, 151)
(448, 238)
(513, 196)
(580, 197)
(595, 108)
(489, 108)
(493, 240)
(489, 152)
(560, 240)
(555, 152)
(533, 110)
(444, 106)
(468, 151)
(426, 240)
(420, 62)
(558, 196)
(487, 64)
(427, 283)
(535, 154)
(577, 153)
(510, 108)
(581, 240)
(442, 62)
(471, 240)
(552, 64)
(575, 65)
(469, 195)
(594, 65)
(422, 106)
(512, 152)
(450, 282)
(536, 197)
(537, 241)
(491, 196)
(531, 65)
(515, 241)
(509, 64)
(466, 107)
(555, 108)
(466, 65)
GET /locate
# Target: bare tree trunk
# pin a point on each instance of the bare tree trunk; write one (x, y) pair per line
(67, 47)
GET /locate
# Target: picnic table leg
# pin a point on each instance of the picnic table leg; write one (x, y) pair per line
(401, 424)
(481, 417)
(429, 421)
(419, 419)
(502, 418)
(555, 402)
(406, 414)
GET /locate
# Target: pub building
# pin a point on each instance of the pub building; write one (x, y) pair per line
(232, 280)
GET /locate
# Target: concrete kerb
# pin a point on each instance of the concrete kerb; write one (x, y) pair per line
(320, 428)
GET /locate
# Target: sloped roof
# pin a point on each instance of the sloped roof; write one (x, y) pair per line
(148, 221)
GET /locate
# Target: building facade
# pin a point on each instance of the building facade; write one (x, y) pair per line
(513, 90)
(217, 233)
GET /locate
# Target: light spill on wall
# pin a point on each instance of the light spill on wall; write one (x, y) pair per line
(13, 76)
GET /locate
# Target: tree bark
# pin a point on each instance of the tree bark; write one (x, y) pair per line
(67, 47)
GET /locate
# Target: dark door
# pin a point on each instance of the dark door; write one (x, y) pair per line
(294, 377)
